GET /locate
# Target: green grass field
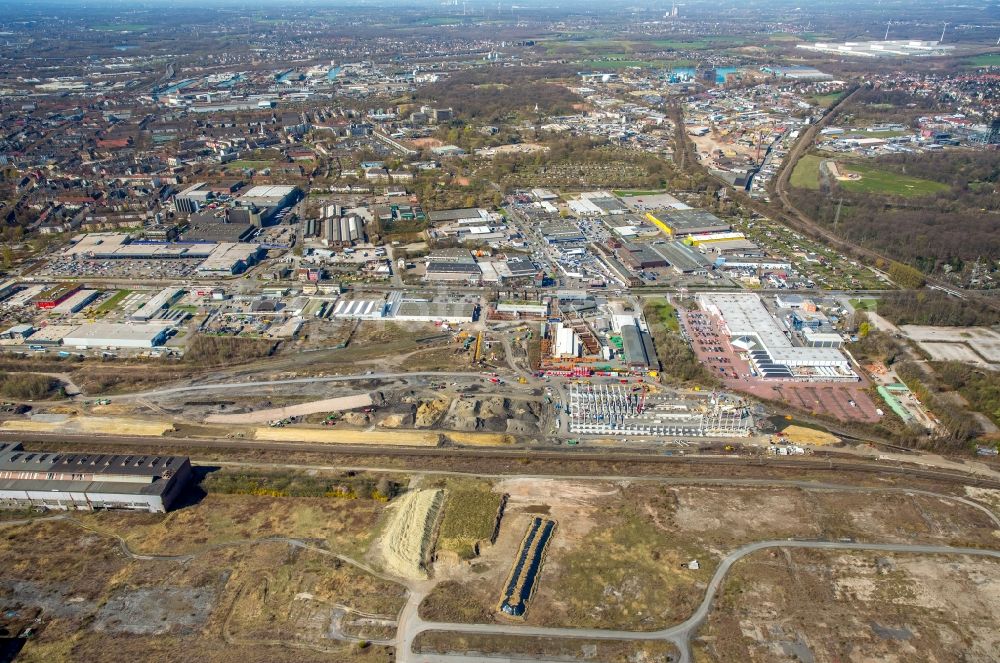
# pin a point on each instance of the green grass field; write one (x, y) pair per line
(825, 100)
(660, 312)
(990, 60)
(866, 304)
(115, 299)
(806, 173)
(883, 182)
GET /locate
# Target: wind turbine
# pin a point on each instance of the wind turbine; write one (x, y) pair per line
(941, 40)
(886, 38)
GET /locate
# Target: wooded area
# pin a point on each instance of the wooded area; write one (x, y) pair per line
(489, 95)
(979, 386)
(931, 307)
(945, 232)
(219, 350)
(957, 427)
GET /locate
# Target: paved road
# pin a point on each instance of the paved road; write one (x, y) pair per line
(411, 625)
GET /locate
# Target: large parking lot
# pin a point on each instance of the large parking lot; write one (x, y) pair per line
(121, 267)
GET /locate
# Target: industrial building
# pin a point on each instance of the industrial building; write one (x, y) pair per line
(193, 198)
(152, 307)
(54, 295)
(453, 271)
(360, 309)
(683, 222)
(76, 302)
(559, 231)
(226, 225)
(89, 482)
(638, 347)
(521, 267)
(453, 265)
(640, 256)
(111, 246)
(461, 214)
(898, 48)
(117, 335)
(341, 231)
(682, 258)
(422, 310)
(270, 196)
(229, 258)
(753, 330)
(17, 333)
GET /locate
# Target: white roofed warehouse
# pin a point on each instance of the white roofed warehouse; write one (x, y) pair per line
(111, 335)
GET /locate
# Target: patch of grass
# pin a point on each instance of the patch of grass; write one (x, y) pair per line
(883, 182)
(113, 301)
(470, 515)
(678, 44)
(445, 642)
(806, 173)
(866, 304)
(663, 313)
(627, 573)
(825, 100)
(988, 60)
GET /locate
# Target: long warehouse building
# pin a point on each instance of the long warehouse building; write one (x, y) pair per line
(89, 482)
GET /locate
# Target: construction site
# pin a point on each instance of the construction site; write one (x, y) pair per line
(644, 410)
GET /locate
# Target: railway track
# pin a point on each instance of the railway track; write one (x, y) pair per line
(821, 461)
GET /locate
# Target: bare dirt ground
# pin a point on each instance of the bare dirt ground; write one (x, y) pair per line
(96, 425)
(819, 607)
(341, 436)
(326, 405)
